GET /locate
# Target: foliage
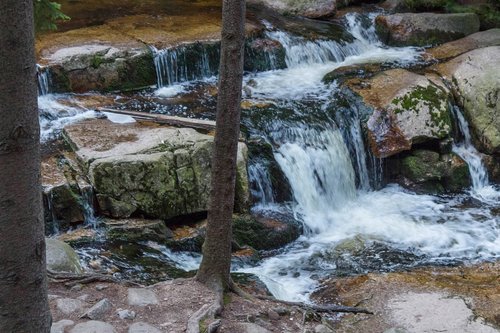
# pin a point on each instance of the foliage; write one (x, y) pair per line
(47, 14)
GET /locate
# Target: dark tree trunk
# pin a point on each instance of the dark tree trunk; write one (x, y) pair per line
(23, 282)
(216, 263)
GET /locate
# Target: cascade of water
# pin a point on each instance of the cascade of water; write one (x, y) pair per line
(43, 77)
(261, 186)
(87, 204)
(319, 169)
(479, 175)
(185, 63)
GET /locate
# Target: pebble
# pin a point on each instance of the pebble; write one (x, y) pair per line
(322, 329)
(125, 314)
(98, 310)
(101, 287)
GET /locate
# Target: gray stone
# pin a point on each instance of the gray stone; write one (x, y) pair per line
(59, 327)
(142, 327)
(421, 29)
(141, 297)
(322, 329)
(126, 314)
(252, 328)
(161, 172)
(408, 109)
(475, 79)
(69, 305)
(98, 310)
(396, 330)
(93, 326)
(61, 257)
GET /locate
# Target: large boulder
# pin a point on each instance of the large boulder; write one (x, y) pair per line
(306, 8)
(61, 257)
(408, 109)
(427, 171)
(425, 28)
(475, 41)
(475, 80)
(159, 172)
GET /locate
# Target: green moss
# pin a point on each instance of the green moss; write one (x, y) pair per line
(432, 97)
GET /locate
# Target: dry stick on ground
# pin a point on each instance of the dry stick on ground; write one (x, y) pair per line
(72, 279)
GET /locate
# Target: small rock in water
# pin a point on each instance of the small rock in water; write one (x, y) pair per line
(125, 314)
(58, 327)
(98, 310)
(69, 305)
(141, 327)
(141, 297)
(93, 326)
(95, 264)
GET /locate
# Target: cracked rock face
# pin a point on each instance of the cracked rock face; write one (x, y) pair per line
(160, 172)
(475, 81)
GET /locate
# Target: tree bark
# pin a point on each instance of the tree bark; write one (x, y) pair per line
(216, 263)
(23, 282)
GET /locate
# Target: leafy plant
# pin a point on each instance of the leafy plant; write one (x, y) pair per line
(47, 14)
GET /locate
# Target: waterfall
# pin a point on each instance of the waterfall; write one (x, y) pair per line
(185, 63)
(260, 183)
(43, 79)
(465, 149)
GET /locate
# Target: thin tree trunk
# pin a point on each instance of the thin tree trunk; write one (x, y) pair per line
(216, 263)
(23, 282)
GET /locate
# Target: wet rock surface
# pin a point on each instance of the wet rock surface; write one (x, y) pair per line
(475, 81)
(408, 109)
(424, 29)
(418, 300)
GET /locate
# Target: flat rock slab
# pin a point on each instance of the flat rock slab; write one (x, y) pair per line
(141, 297)
(93, 326)
(60, 326)
(141, 327)
(69, 305)
(98, 311)
(252, 328)
(435, 312)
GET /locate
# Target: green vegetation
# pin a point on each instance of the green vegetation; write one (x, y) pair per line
(47, 14)
(488, 11)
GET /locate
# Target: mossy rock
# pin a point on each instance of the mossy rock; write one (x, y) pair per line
(264, 233)
(61, 257)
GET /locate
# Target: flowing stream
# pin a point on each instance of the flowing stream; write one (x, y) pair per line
(351, 226)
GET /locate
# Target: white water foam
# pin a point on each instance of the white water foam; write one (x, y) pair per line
(54, 115)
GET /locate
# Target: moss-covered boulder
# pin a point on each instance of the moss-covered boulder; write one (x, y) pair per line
(407, 108)
(101, 67)
(425, 29)
(61, 257)
(158, 172)
(475, 80)
(428, 172)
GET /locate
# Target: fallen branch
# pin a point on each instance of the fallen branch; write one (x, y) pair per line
(72, 279)
(207, 125)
